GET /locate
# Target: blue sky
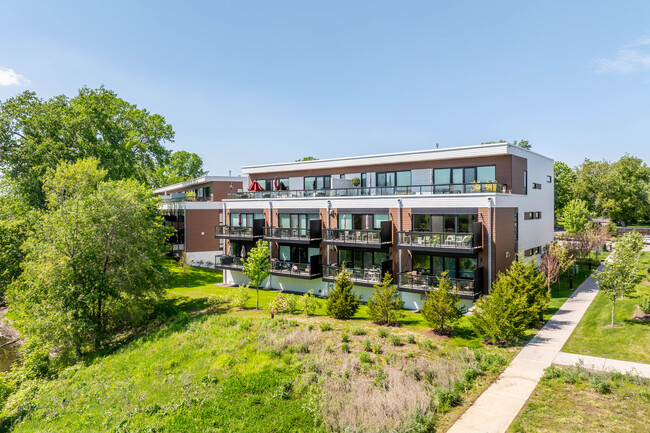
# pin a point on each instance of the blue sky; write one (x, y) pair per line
(255, 82)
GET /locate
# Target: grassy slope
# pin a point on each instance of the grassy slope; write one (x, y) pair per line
(630, 342)
(570, 404)
(217, 372)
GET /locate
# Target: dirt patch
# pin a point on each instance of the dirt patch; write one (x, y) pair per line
(640, 315)
(614, 327)
(6, 326)
(646, 283)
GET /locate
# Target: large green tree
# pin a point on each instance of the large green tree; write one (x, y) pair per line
(95, 262)
(564, 178)
(38, 134)
(257, 267)
(182, 166)
(576, 217)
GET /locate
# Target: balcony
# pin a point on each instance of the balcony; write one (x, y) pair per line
(229, 262)
(377, 238)
(306, 271)
(456, 188)
(295, 235)
(462, 243)
(240, 233)
(360, 276)
(467, 288)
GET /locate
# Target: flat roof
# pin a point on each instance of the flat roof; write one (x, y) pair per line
(199, 181)
(397, 157)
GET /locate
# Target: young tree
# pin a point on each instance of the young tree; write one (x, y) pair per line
(501, 316)
(385, 303)
(576, 217)
(257, 267)
(95, 263)
(441, 305)
(529, 283)
(553, 262)
(342, 303)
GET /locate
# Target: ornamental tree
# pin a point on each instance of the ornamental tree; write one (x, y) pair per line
(257, 267)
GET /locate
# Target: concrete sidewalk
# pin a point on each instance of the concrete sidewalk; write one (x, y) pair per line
(603, 364)
(497, 407)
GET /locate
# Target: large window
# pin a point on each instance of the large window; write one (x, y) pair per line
(456, 267)
(244, 219)
(269, 184)
(317, 182)
(296, 254)
(463, 175)
(296, 221)
(461, 223)
(362, 259)
(394, 178)
(349, 221)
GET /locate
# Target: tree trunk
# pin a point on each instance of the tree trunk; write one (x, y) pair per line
(100, 326)
(257, 300)
(613, 306)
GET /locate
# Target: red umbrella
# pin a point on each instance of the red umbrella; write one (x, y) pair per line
(275, 183)
(240, 219)
(255, 186)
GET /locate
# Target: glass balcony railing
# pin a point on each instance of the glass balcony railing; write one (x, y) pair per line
(467, 288)
(369, 276)
(457, 188)
(229, 262)
(353, 236)
(236, 232)
(294, 269)
(436, 240)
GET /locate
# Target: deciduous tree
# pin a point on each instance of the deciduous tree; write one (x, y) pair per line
(576, 217)
(257, 267)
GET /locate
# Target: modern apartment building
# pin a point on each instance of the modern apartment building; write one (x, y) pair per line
(193, 208)
(466, 211)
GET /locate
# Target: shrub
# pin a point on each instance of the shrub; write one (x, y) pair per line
(366, 345)
(325, 326)
(239, 296)
(385, 303)
(310, 326)
(644, 303)
(446, 399)
(344, 337)
(383, 332)
(376, 348)
(308, 303)
(411, 339)
(342, 303)
(427, 345)
(345, 348)
(365, 357)
(283, 303)
(395, 340)
(358, 330)
(440, 307)
(600, 385)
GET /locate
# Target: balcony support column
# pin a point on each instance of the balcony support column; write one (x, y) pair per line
(490, 203)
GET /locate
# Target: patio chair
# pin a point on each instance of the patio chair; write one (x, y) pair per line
(450, 241)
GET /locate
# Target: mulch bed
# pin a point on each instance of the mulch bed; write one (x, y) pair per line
(640, 315)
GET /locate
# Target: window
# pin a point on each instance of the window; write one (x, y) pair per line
(487, 173)
(349, 221)
(362, 259)
(296, 254)
(462, 223)
(537, 185)
(533, 251)
(394, 178)
(466, 223)
(525, 182)
(296, 221)
(459, 176)
(317, 182)
(442, 176)
(549, 179)
(456, 267)
(364, 180)
(244, 219)
(532, 215)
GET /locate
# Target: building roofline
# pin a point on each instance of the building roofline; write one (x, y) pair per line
(199, 181)
(443, 153)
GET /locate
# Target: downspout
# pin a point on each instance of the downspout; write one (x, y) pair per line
(490, 244)
(399, 229)
(329, 210)
(270, 225)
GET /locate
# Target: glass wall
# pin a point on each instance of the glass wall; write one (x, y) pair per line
(317, 182)
(394, 178)
(362, 259)
(461, 223)
(244, 219)
(349, 221)
(296, 221)
(456, 267)
(296, 254)
(461, 175)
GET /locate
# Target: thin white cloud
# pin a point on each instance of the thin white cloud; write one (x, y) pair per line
(9, 77)
(633, 57)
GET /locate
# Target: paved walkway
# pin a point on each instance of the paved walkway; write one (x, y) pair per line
(497, 407)
(603, 364)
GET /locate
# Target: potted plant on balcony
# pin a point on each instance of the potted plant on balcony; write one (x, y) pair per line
(435, 240)
(356, 181)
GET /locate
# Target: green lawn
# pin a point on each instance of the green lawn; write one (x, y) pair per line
(630, 342)
(567, 400)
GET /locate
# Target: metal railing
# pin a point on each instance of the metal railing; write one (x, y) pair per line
(465, 287)
(287, 233)
(352, 236)
(436, 240)
(291, 268)
(356, 274)
(456, 188)
(225, 231)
